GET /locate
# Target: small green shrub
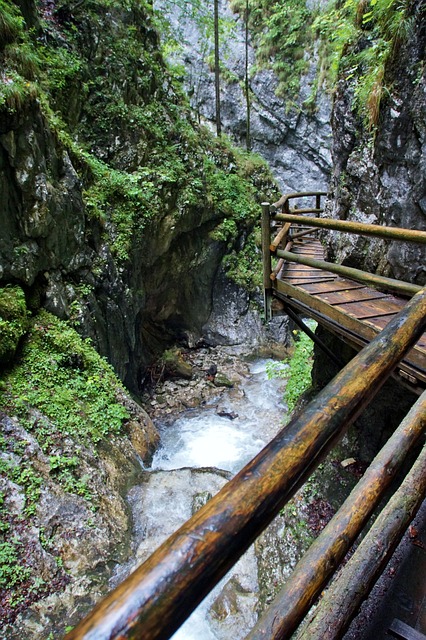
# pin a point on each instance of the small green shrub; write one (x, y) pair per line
(298, 371)
(11, 572)
(13, 321)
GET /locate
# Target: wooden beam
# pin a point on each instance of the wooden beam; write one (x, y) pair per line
(281, 235)
(328, 550)
(342, 599)
(302, 194)
(158, 596)
(393, 233)
(401, 630)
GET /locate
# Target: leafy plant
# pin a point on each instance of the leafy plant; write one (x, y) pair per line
(298, 372)
(12, 572)
(358, 39)
(13, 321)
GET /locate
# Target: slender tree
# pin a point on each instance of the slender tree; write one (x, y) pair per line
(246, 81)
(216, 66)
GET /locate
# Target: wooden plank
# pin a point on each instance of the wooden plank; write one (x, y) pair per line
(380, 322)
(401, 630)
(364, 329)
(371, 308)
(338, 285)
(335, 314)
(369, 279)
(345, 296)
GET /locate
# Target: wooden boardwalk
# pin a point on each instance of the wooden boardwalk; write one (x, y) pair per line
(347, 308)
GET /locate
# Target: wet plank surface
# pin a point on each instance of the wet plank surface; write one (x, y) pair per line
(354, 307)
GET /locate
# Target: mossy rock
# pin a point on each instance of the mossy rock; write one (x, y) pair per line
(222, 381)
(175, 365)
(13, 321)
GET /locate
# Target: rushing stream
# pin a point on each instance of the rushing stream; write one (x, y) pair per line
(199, 452)
(227, 435)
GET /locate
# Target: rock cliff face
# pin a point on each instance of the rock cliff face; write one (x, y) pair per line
(381, 179)
(112, 203)
(293, 138)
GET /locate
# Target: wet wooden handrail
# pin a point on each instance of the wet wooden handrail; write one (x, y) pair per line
(328, 550)
(283, 201)
(360, 228)
(342, 600)
(156, 598)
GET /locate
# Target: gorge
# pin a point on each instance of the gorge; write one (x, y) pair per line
(129, 231)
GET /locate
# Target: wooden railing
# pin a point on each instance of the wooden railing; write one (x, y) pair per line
(156, 598)
(292, 218)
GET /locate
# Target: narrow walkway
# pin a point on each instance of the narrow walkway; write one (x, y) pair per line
(345, 307)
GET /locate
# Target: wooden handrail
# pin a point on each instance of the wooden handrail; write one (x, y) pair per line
(380, 282)
(361, 228)
(311, 573)
(156, 598)
(302, 194)
(341, 601)
(281, 235)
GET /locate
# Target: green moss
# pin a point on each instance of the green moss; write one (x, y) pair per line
(282, 34)
(296, 369)
(13, 321)
(61, 376)
(357, 41)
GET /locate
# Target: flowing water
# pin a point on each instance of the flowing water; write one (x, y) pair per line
(207, 438)
(188, 468)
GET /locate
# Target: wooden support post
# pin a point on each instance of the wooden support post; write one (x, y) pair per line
(266, 259)
(343, 598)
(318, 201)
(328, 550)
(160, 594)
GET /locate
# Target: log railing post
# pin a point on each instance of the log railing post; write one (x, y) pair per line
(318, 201)
(266, 259)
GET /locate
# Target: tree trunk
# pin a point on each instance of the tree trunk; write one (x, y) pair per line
(216, 66)
(247, 88)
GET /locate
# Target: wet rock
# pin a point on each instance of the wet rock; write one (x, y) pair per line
(227, 414)
(175, 365)
(222, 381)
(380, 178)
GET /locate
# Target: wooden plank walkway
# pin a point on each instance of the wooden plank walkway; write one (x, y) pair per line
(347, 308)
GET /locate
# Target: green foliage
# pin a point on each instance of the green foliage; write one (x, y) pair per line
(244, 266)
(11, 572)
(27, 478)
(67, 381)
(11, 23)
(13, 321)
(298, 371)
(358, 39)
(281, 34)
